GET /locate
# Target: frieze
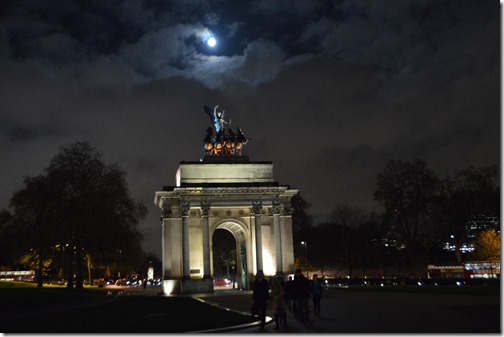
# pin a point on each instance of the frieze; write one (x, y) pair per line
(227, 190)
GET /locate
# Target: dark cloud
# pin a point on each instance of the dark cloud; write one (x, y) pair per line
(328, 91)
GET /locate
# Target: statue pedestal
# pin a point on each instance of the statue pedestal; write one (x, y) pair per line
(224, 172)
(225, 159)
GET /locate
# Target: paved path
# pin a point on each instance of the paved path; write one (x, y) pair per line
(345, 311)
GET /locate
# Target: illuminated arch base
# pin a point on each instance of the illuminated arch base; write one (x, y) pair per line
(239, 196)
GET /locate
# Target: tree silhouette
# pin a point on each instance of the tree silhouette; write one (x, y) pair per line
(348, 219)
(407, 190)
(35, 224)
(302, 223)
(81, 205)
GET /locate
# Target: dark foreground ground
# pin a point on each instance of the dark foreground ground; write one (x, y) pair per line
(356, 310)
(57, 310)
(369, 311)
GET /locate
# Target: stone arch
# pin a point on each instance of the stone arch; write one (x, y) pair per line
(239, 196)
(235, 226)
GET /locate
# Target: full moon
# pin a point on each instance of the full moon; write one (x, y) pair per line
(212, 41)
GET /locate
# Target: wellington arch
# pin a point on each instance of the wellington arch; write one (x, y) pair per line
(224, 190)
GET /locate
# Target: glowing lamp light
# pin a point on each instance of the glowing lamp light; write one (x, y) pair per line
(169, 286)
(211, 42)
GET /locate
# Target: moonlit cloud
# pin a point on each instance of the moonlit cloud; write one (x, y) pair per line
(211, 18)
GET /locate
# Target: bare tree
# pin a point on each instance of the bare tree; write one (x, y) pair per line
(407, 190)
(346, 220)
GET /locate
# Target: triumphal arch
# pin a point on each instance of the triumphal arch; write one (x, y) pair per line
(224, 190)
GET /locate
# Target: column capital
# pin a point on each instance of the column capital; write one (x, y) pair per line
(166, 213)
(205, 207)
(184, 208)
(275, 208)
(288, 211)
(256, 207)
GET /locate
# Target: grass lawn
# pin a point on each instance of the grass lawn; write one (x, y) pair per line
(58, 310)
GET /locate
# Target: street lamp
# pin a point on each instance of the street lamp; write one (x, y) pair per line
(305, 244)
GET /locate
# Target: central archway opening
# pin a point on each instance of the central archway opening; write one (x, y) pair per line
(232, 236)
(224, 257)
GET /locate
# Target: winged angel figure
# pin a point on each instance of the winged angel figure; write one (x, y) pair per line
(216, 117)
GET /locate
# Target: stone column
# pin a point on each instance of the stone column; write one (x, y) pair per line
(163, 250)
(278, 238)
(256, 207)
(184, 212)
(288, 248)
(165, 244)
(205, 208)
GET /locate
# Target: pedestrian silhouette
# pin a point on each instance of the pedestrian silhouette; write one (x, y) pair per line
(316, 291)
(302, 294)
(260, 296)
(278, 302)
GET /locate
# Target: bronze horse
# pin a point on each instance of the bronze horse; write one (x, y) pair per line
(208, 142)
(224, 144)
(240, 141)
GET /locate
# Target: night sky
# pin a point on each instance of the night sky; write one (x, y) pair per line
(329, 91)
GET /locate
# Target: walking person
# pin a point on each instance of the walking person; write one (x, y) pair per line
(289, 295)
(316, 291)
(302, 293)
(278, 302)
(282, 284)
(260, 296)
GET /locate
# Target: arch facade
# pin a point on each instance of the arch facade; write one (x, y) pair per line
(242, 198)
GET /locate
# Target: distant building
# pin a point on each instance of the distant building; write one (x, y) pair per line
(17, 275)
(434, 271)
(473, 228)
(469, 269)
(481, 269)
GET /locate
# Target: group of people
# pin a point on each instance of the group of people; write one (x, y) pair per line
(292, 295)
